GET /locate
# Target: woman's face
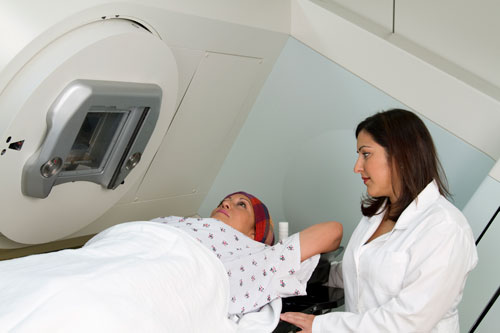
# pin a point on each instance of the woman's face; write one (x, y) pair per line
(373, 167)
(237, 212)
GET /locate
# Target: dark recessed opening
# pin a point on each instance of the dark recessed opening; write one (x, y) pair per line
(16, 145)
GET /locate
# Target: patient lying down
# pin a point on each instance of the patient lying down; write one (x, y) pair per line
(240, 233)
(162, 275)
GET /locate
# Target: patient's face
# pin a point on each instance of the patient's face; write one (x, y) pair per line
(237, 212)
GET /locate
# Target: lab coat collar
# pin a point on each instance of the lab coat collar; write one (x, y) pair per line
(426, 198)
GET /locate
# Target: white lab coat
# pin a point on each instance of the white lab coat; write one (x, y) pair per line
(408, 280)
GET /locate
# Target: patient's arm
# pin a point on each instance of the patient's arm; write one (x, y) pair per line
(320, 238)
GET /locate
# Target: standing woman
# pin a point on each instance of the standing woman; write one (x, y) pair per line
(405, 267)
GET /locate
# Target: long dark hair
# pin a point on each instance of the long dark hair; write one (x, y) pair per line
(411, 155)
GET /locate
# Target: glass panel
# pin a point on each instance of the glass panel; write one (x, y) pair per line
(94, 140)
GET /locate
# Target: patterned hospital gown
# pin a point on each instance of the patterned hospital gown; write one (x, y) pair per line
(258, 273)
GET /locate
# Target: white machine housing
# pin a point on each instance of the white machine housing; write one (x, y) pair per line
(133, 42)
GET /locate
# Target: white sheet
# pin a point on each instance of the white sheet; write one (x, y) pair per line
(133, 277)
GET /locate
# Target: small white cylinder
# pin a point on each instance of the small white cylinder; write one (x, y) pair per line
(282, 230)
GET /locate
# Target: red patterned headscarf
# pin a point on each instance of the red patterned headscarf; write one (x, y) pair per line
(264, 227)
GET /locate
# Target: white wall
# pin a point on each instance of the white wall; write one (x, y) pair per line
(416, 67)
(297, 148)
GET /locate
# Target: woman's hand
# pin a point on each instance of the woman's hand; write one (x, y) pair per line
(301, 320)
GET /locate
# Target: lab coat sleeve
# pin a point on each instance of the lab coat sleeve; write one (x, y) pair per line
(335, 275)
(438, 265)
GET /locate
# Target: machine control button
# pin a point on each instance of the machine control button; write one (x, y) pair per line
(51, 167)
(133, 161)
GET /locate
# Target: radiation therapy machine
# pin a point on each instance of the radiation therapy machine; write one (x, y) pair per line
(116, 111)
(88, 98)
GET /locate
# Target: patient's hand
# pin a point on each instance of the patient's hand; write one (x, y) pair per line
(301, 320)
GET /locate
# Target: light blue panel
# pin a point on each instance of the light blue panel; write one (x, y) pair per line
(483, 281)
(491, 322)
(296, 151)
(483, 205)
(465, 166)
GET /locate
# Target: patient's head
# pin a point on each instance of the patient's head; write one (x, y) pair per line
(247, 214)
